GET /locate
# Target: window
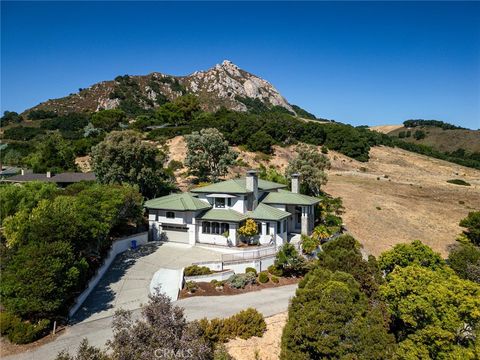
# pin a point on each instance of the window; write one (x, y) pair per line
(215, 228)
(225, 227)
(229, 201)
(206, 227)
(170, 215)
(267, 228)
(279, 227)
(219, 202)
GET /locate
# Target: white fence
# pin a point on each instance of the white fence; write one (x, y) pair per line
(118, 247)
(249, 255)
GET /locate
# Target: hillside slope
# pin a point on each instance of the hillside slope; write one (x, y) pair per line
(410, 190)
(439, 139)
(224, 85)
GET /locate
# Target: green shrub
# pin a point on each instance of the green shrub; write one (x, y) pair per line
(245, 324)
(263, 277)
(175, 165)
(195, 270)
(251, 270)
(333, 220)
(324, 150)
(272, 269)
(275, 279)
(290, 261)
(458, 182)
(191, 286)
(239, 281)
(309, 244)
(217, 283)
(21, 332)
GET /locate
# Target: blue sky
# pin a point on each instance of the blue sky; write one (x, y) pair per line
(355, 62)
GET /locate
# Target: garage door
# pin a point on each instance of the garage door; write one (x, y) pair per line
(176, 233)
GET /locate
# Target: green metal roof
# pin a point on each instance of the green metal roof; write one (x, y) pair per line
(289, 198)
(267, 212)
(222, 215)
(237, 186)
(179, 202)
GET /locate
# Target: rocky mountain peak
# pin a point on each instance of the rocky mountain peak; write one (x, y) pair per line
(224, 85)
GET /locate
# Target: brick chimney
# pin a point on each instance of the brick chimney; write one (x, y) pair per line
(296, 183)
(251, 183)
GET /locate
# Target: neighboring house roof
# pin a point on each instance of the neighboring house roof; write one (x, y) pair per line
(267, 212)
(9, 171)
(57, 178)
(222, 215)
(179, 202)
(71, 177)
(237, 186)
(289, 198)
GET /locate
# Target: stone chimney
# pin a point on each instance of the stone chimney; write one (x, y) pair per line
(49, 174)
(251, 183)
(296, 183)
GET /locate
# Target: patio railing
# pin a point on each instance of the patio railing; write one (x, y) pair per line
(249, 255)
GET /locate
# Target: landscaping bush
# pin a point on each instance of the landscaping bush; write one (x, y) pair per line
(21, 332)
(275, 279)
(263, 277)
(245, 324)
(191, 286)
(458, 182)
(309, 244)
(272, 269)
(217, 283)
(239, 281)
(290, 261)
(195, 270)
(251, 270)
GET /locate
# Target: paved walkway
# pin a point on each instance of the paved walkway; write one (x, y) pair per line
(169, 282)
(126, 284)
(268, 301)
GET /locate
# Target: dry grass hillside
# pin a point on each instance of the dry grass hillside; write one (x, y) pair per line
(396, 197)
(437, 138)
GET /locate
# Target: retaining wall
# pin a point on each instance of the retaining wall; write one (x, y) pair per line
(118, 247)
(220, 276)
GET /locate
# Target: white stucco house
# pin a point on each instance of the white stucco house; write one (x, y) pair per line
(212, 214)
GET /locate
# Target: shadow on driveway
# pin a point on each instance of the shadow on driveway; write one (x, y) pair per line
(103, 296)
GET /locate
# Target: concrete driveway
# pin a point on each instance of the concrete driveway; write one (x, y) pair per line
(126, 284)
(268, 302)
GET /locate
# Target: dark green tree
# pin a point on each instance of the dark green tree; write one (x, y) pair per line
(472, 227)
(124, 158)
(261, 141)
(108, 120)
(465, 260)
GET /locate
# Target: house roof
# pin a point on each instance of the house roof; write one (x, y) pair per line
(222, 215)
(267, 212)
(67, 177)
(237, 186)
(289, 198)
(179, 202)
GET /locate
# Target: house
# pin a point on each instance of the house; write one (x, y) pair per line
(61, 179)
(213, 214)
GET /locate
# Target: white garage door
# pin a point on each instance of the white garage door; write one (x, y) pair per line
(176, 233)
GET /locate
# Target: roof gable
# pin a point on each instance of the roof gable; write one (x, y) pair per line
(237, 186)
(179, 202)
(289, 198)
(267, 212)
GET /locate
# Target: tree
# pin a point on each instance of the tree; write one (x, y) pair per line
(10, 117)
(261, 141)
(53, 153)
(208, 154)
(124, 158)
(464, 259)
(249, 229)
(330, 318)
(84, 352)
(311, 164)
(108, 120)
(472, 225)
(162, 332)
(24, 197)
(343, 254)
(39, 279)
(289, 261)
(434, 312)
(409, 254)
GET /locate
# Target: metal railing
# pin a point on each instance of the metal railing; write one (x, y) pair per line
(249, 255)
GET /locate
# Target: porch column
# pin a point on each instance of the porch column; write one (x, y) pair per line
(304, 220)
